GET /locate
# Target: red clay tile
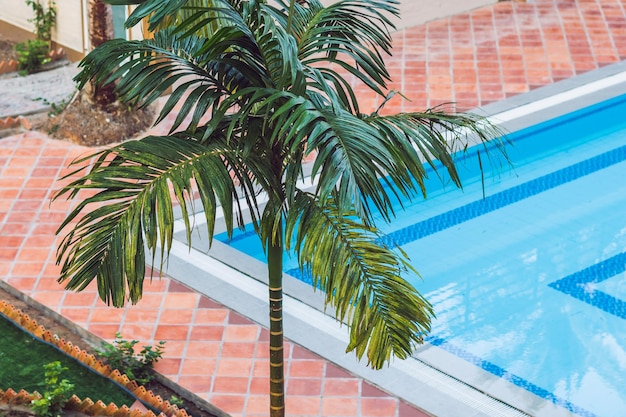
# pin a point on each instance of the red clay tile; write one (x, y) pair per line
(175, 332)
(304, 406)
(141, 332)
(203, 349)
(106, 315)
(206, 302)
(336, 406)
(176, 316)
(196, 383)
(304, 386)
(260, 385)
(181, 300)
(406, 410)
(302, 353)
(341, 387)
(333, 371)
(229, 403)
(378, 407)
(306, 368)
(210, 316)
(77, 314)
(27, 269)
(206, 333)
(241, 333)
(261, 368)
(49, 284)
(168, 366)
(22, 284)
(238, 350)
(257, 404)
(204, 367)
(235, 318)
(231, 385)
(176, 286)
(105, 331)
(369, 390)
(141, 315)
(150, 301)
(234, 367)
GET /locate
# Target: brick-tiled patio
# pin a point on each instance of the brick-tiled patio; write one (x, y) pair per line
(472, 59)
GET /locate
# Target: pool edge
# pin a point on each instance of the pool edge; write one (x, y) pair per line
(394, 379)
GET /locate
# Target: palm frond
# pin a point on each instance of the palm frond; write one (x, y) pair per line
(136, 183)
(144, 70)
(439, 139)
(351, 156)
(361, 278)
(351, 35)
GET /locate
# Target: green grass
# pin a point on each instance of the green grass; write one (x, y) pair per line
(23, 356)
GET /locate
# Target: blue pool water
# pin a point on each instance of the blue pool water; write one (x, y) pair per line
(528, 281)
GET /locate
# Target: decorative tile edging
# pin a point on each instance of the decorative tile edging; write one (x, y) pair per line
(11, 65)
(86, 406)
(8, 66)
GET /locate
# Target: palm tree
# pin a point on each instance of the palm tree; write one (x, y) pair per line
(261, 93)
(101, 31)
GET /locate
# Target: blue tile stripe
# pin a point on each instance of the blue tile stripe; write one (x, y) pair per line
(577, 285)
(494, 202)
(504, 198)
(504, 374)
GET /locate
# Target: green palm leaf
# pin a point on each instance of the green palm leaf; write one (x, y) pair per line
(360, 277)
(136, 181)
(258, 87)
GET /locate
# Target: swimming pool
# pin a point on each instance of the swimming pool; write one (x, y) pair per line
(528, 282)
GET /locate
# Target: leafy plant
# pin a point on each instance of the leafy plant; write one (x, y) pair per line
(178, 402)
(56, 393)
(44, 20)
(55, 108)
(121, 355)
(266, 87)
(31, 55)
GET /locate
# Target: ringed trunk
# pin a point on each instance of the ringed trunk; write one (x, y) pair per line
(277, 378)
(100, 31)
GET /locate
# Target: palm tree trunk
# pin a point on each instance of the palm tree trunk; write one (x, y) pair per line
(277, 378)
(100, 31)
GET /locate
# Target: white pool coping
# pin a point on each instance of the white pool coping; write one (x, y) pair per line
(472, 392)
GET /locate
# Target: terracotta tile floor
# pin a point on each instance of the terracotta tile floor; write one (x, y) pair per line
(472, 59)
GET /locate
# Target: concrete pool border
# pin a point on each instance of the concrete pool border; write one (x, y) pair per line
(411, 380)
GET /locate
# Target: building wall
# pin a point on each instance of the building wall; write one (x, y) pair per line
(416, 12)
(71, 31)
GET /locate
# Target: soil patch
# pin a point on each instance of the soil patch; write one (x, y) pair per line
(7, 52)
(83, 123)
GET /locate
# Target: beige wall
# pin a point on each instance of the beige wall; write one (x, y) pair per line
(71, 30)
(68, 31)
(415, 12)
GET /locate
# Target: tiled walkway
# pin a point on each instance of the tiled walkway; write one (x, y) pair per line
(472, 59)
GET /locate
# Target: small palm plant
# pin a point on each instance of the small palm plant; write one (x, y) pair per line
(262, 92)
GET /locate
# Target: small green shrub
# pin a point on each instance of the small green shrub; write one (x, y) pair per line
(178, 402)
(31, 55)
(44, 20)
(56, 393)
(138, 366)
(55, 108)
